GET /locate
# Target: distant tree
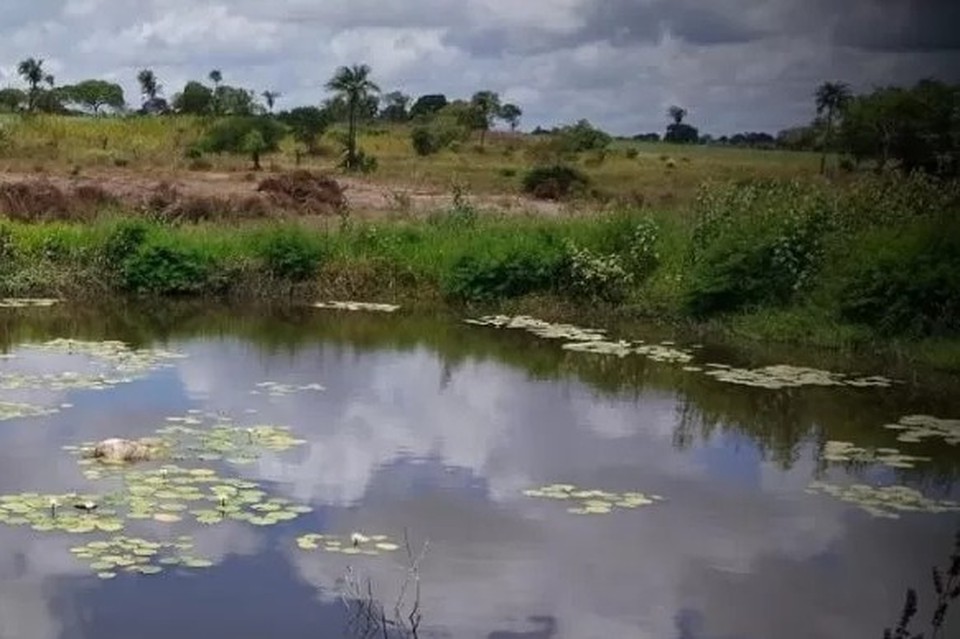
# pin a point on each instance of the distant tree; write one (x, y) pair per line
(307, 125)
(427, 105)
(195, 99)
(677, 114)
(12, 99)
(511, 114)
(647, 137)
(271, 97)
(216, 77)
(487, 107)
(253, 136)
(395, 105)
(32, 72)
(229, 100)
(150, 89)
(801, 138)
(353, 85)
(94, 95)
(582, 137)
(831, 98)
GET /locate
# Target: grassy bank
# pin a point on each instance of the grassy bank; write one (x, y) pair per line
(874, 264)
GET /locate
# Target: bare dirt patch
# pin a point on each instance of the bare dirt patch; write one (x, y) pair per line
(198, 196)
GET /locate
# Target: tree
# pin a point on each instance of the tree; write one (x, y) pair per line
(228, 100)
(216, 77)
(195, 99)
(395, 107)
(150, 89)
(353, 84)
(12, 99)
(487, 106)
(511, 114)
(271, 98)
(94, 95)
(31, 70)
(307, 125)
(677, 114)
(427, 105)
(252, 136)
(831, 97)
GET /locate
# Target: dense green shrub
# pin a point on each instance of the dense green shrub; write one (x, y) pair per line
(122, 242)
(165, 268)
(754, 244)
(253, 136)
(554, 182)
(291, 254)
(905, 282)
(507, 269)
(596, 276)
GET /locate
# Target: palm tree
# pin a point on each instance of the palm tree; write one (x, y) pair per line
(32, 71)
(271, 98)
(216, 77)
(149, 86)
(677, 114)
(353, 84)
(831, 97)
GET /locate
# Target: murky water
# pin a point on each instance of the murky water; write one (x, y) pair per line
(437, 428)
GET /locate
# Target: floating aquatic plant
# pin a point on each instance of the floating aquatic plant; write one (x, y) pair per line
(109, 557)
(355, 544)
(15, 410)
(591, 501)
(664, 352)
(358, 306)
(620, 349)
(836, 451)
(276, 389)
(10, 302)
(786, 376)
(885, 501)
(117, 355)
(916, 428)
(540, 328)
(68, 513)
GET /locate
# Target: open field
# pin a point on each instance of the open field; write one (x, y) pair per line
(129, 152)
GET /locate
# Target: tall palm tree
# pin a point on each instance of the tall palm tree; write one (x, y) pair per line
(831, 98)
(149, 86)
(353, 84)
(216, 77)
(677, 114)
(271, 98)
(32, 71)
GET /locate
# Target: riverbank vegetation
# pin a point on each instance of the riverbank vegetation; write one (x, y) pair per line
(875, 261)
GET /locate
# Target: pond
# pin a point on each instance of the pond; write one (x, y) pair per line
(501, 480)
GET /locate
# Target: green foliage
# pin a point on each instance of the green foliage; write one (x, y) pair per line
(12, 99)
(292, 254)
(754, 244)
(122, 242)
(307, 125)
(905, 281)
(507, 269)
(161, 267)
(596, 276)
(94, 95)
(554, 182)
(195, 99)
(581, 137)
(437, 134)
(428, 105)
(248, 135)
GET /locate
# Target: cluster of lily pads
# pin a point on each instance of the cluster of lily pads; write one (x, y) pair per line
(70, 513)
(356, 544)
(16, 410)
(118, 356)
(785, 376)
(837, 451)
(358, 306)
(276, 389)
(139, 556)
(592, 501)
(885, 501)
(27, 302)
(919, 427)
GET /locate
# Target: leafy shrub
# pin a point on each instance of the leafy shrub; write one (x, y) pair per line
(643, 251)
(165, 268)
(508, 172)
(507, 272)
(596, 276)
(247, 135)
(123, 242)
(632, 154)
(291, 254)
(583, 136)
(754, 244)
(437, 134)
(554, 182)
(906, 283)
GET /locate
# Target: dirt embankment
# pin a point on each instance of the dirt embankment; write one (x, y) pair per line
(215, 196)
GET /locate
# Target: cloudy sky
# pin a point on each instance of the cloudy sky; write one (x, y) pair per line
(735, 64)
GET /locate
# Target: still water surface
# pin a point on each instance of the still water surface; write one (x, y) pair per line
(438, 428)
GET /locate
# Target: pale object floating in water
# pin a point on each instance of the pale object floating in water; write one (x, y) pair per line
(786, 376)
(837, 451)
(884, 502)
(357, 306)
(593, 501)
(919, 427)
(355, 544)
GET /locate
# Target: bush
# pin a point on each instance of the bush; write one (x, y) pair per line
(424, 141)
(596, 276)
(643, 251)
(165, 268)
(754, 244)
(905, 283)
(508, 272)
(122, 242)
(554, 182)
(291, 254)
(632, 154)
(252, 136)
